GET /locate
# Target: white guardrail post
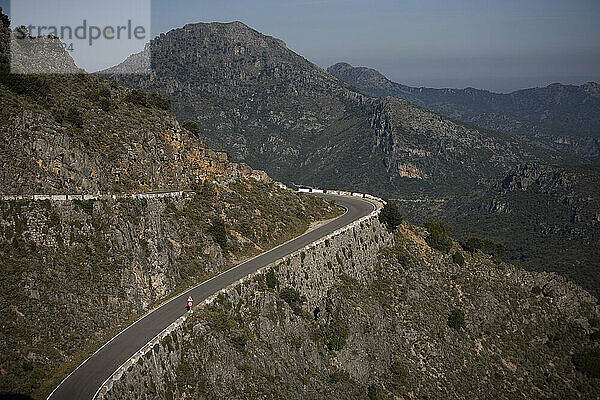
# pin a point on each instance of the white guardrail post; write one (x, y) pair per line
(115, 376)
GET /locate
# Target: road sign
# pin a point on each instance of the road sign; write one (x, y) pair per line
(197, 180)
(190, 302)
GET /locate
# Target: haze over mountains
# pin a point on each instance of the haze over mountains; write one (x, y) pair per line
(383, 309)
(271, 108)
(566, 115)
(276, 111)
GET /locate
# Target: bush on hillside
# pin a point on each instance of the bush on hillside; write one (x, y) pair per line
(390, 216)
(160, 101)
(137, 96)
(105, 104)
(4, 19)
(191, 126)
(73, 116)
(33, 86)
(218, 232)
(438, 235)
(271, 279)
(471, 243)
(588, 362)
(293, 298)
(105, 92)
(459, 259)
(336, 335)
(456, 319)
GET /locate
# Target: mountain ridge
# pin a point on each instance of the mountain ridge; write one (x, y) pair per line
(274, 110)
(564, 115)
(75, 271)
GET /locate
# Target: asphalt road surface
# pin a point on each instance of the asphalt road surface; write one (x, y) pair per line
(84, 382)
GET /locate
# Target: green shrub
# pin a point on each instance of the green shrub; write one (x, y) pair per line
(58, 114)
(73, 116)
(191, 126)
(239, 341)
(159, 101)
(438, 235)
(336, 335)
(588, 362)
(218, 232)
(4, 19)
(86, 206)
(105, 104)
(536, 290)
(339, 376)
(398, 370)
(137, 96)
(373, 392)
(293, 298)
(33, 86)
(221, 321)
(104, 92)
(471, 242)
(92, 95)
(456, 319)
(459, 259)
(271, 279)
(390, 216)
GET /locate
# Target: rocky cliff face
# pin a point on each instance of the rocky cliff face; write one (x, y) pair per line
(545, 216)
(565, 115)
(429, 154)
(404, 321)
(271, 108)
(82, 134)
(86, 136)
(276, 111)
(75, 272)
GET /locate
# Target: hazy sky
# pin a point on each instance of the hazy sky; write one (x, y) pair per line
(499, 45)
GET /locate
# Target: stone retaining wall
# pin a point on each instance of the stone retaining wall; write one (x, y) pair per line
(311, 270)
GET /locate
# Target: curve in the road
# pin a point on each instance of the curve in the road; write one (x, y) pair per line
(88, 377)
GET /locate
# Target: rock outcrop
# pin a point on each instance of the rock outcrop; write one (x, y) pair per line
(566, 115)
(271, 108)
(76, 271)
(363, 318)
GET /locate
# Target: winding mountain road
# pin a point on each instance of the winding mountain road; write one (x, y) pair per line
(87, 378)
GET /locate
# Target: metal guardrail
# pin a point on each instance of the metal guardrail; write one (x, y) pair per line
(108, 383)
(84, 197)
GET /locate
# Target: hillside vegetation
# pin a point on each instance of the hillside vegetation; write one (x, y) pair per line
(413, 322)
(74, 273)
(565, 115)
(271, 108)
(268, 106)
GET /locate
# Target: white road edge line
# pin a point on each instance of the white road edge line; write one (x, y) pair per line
(175, 297)
(200, 302)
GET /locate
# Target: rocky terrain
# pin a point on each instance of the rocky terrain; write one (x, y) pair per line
(546, 217)
(73, 273)
(271, 108)
(366, 314)
(565, 115)
(349, 321)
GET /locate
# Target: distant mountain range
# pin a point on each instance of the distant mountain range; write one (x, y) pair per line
(80, 134)
(271, 108)
(566, 115)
